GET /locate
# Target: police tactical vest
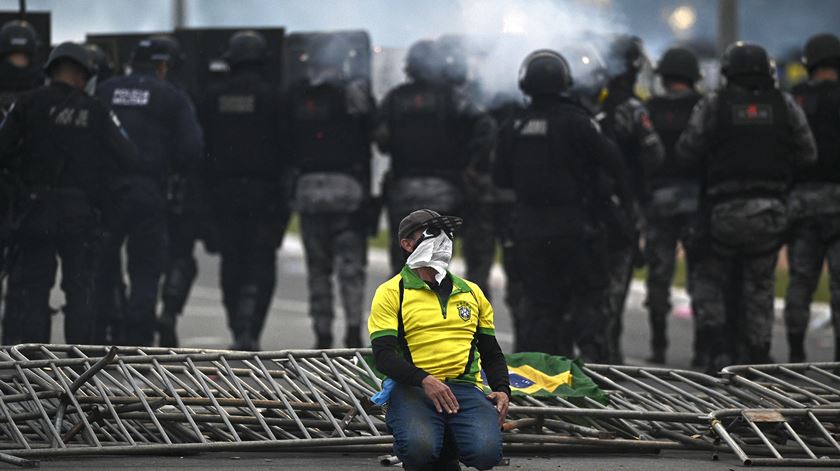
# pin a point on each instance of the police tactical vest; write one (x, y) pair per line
(670, 117)
(422, 141)
(753, 139)
(550, 172)
(326, 137)
(821, 103)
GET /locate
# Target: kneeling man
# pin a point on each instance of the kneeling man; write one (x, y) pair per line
(432, 333)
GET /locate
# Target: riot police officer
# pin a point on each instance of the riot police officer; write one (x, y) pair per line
(330, 119)
(189, 218)
(552, 154)
(161, 120)
(104, 64)
(433, 133)
(815, 198)
(242, 117)
(749, 136)
(71, 146)
(479, 247)
(18, 70)
(674, 191)
(626, 121)
(18, 73)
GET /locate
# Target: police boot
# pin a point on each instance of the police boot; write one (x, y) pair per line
(659, 341)
(322, 325)
(759, 354)
(700, 357)
(836, 348)
(243, 338)
(720, 352)
(167, 331)
(796, 347)
(353, 337)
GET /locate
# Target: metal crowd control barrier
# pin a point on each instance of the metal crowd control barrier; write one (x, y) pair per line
(59, 400)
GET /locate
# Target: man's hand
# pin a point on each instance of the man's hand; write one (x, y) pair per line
(501, 400)
(441, 395)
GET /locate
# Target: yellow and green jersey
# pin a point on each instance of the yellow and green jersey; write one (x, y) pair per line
(440, 336)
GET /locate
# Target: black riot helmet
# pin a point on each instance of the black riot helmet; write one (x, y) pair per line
(680, 64)
(104, 65)
(18, 36)
(246, 47)
(745, 59)
(821, 50)
(74, 52)
(625, 56)
(455, 66)
(173, 47)
(544, 72)
(425, 61)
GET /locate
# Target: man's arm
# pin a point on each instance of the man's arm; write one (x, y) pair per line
(503, 163)
(804, 146)
(390, 361)
(381, 125)
(11, 132)
(695, 141)
(633, 124)
(492, 359)
(189, 139)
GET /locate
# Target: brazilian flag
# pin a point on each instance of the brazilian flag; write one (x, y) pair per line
(545, 376)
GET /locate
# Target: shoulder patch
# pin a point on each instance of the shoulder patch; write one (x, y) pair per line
(534, 127)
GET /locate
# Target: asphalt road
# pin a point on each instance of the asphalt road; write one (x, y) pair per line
(288, 327)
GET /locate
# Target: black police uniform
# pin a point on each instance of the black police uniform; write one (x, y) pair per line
(71, 147)
(161, 120)
(815, 206)
(330, 135)
(669, 212)
(432, 132)
(243, 122)
(749, 137)
(626, 121)
(552, 155)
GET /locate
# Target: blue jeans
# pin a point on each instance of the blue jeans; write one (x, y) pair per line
(419, 429)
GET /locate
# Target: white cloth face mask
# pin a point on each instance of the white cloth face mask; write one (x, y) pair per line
(433, 252)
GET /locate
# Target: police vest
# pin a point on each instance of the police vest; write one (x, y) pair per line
(422, 138)
(821, 103)
(549, 171)
(753, 139)
(670, 116)
(326, 137)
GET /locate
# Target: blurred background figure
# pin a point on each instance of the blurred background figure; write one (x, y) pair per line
(330, 123)
(551, 155)
(19, 71)
(433, 133)
(189, 218)
(815, 199)
(161, 121)
(242, 117)
(626, 121)
(672, 207)
(70, 147)
(748, 137)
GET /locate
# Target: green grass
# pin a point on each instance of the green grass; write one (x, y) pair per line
(782, 277)
(782, 281)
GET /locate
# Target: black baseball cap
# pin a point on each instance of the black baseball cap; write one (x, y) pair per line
(423, 218)
(151, 50)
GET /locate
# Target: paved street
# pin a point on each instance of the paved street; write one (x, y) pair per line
(288, 327)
